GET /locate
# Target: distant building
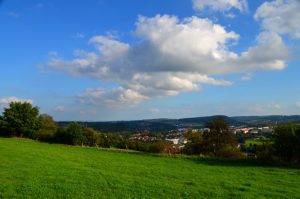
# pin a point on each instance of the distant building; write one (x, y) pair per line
(255, 131)
(266, 129)
(180, 140)
(243, 130)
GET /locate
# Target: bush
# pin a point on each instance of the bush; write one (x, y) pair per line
(265, 152)
(75, 133)
(45, 135)
(230, 151)
(90, 137)
(62, 136)
(160, 147)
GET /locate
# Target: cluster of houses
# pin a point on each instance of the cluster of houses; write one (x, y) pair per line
(141, 137)
(178, 141)
(254, 130)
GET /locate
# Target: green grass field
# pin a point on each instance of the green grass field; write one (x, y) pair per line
(257, 142)
(30, 169)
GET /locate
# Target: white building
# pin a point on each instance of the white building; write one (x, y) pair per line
(180, 140)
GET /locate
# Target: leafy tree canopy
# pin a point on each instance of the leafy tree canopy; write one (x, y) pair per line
(21, 119)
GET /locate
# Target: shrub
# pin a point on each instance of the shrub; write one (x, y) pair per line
(45, 135)
(265, 152)
(90, 137)
(75, 133)
(230, 151)
(160, 147)
(62, 136)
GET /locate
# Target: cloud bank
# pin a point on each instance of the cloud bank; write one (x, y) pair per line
(170, 57)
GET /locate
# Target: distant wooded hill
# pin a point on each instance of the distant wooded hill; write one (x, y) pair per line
(154, 125)
(268, 119)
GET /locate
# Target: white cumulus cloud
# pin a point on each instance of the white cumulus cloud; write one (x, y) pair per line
(280, 16)
(8, 100)
(171, 56)
(115, 98)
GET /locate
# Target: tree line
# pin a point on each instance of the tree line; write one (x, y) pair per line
(24, 120)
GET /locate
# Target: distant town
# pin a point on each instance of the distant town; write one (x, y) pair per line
(250, 131)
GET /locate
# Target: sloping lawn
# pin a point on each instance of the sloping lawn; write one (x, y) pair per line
(30, 169)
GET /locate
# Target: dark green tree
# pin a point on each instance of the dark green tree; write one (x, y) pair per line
(195, 142)
(218, 137)
(21, 119)
(62, 136)
(219, 141)
(75, 132)
(287, 142)
(3, 128)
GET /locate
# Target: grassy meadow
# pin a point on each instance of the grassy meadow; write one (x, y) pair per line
(30, 169)
(253, 142)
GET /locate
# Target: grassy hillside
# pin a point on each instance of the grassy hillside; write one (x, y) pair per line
(31, 169)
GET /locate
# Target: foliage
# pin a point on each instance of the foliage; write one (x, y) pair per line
(62, 136)
(91, 137)
(230, 151)
(195, 142)
(160, 147)
(21, 119)
(3, 128)
(48, 122)
(46, 134)
(75, 133)
(218, 136)
(287, 142)
(219, 141)
(265, 152)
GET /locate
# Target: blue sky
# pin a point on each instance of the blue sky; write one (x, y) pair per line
(120, 60)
